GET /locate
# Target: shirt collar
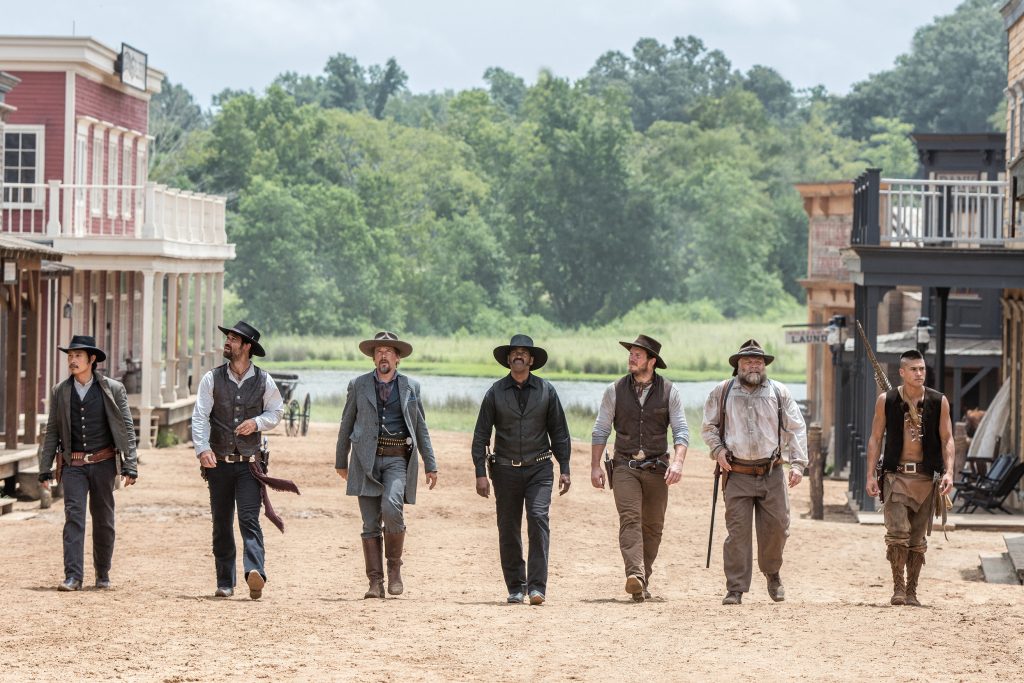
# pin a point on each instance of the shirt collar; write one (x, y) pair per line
(378, 380)
(84, 387)
(248, 373)
(532, 381)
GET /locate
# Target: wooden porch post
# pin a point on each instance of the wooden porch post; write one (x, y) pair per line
(13, 363)
(33, 349)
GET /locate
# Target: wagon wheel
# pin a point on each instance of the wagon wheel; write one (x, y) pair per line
(291, 427)
(305, 416)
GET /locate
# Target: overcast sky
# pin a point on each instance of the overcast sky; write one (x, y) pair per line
(208, 45)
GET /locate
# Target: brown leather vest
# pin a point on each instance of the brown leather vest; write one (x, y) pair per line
(641, 427)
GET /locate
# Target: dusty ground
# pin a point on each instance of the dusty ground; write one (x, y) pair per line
(160, 623)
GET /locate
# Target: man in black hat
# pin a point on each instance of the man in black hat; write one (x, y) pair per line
(383, 425)
(235, 403)
(641, 407)
(750, 425)
(91, 428)
(530, 429)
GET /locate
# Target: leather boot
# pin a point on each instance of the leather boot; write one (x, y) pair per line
(373, 555)
(393, 544)
(897, 556)
(915, 561)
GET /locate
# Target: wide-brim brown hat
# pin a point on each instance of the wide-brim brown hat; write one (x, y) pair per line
(82, 342)
(749, 348)
(540, 356)
(391, 339)
(649, 344)
(248, 333)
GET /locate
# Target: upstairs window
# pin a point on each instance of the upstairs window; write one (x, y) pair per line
(23, 166)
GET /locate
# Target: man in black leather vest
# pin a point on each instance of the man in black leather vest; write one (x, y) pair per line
(91, 434)
(235, 403)
(530, 429)
(918, 445)
(641, 407)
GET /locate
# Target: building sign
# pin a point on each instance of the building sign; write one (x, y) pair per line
(10, 273)
(807, 336)
(133, 66)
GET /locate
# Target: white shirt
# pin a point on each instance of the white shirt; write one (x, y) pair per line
(606, 414)
(273, 407)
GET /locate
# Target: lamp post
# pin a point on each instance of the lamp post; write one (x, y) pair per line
(923, 336)
(836, 341)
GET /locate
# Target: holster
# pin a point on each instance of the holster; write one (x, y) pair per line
(59, 465)
(609, 470)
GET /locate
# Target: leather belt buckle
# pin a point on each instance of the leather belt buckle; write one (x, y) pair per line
(909, 468)
(87, 458)
(516, 464)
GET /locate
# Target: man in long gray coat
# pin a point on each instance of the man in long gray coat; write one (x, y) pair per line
(91, 435)
(383, 425)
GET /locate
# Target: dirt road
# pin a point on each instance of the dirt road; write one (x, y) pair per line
(160, 623)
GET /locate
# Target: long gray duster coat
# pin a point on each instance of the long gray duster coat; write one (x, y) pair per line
(358, 434)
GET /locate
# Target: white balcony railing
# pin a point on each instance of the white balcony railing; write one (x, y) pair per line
(961, 213)
(152, 211)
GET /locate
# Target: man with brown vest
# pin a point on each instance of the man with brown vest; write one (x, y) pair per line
(918, 445)
(750, 424)
(641, 406)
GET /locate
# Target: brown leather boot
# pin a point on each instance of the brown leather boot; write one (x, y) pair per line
(373, 555)
(897, 556)
(393, 544)
(915, 561)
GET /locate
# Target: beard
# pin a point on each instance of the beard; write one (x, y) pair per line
(384, 367)
(753, 378)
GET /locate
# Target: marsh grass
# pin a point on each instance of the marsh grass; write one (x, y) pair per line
(694, 351)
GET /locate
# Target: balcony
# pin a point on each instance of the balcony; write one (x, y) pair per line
(160, 220)
(959, 214)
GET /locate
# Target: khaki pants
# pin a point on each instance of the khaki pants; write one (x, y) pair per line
(641, 497)
(906, 520)
(764, 499)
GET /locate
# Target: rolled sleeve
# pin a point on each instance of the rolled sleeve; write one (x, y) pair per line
(710, 428)
(796, 429)
(603, 424)
(677, 417)
(273, 406)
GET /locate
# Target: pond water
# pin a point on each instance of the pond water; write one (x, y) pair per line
(439, 388)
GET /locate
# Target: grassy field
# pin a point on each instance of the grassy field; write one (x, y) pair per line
(694, 351)
(459, 415)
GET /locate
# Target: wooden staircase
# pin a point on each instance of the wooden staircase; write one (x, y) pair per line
(1005, 567)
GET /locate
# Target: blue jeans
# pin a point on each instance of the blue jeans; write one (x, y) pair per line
(95, 484)
(515, 487)
(232, 485)
(389, 508)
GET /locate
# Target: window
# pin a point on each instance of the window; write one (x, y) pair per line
(96, 196)
(112, 165)
(23, 166)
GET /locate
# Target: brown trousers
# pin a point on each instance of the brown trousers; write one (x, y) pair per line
(764, 499)
(906, 520)
(641, 497)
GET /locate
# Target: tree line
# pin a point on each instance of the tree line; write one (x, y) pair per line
(663, 174)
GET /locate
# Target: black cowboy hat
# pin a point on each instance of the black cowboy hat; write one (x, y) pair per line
(82, 342)
(391, 339)
(248, 333)
(749, 348)
(540, 356)
(649, 344)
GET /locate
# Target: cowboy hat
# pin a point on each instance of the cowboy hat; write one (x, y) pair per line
(540, 356)
(82, 342)
(749, 348)
(247, 332)
(649, 344)
(367, 346)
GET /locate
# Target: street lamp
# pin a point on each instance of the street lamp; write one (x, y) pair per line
(68, 310)
(922, 333)
(836, 340)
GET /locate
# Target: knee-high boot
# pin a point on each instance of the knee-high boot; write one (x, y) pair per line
(373, 556)
(393, 544)
(897, 556)
(914, 563)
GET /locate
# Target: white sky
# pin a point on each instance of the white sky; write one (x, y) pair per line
(208, 45)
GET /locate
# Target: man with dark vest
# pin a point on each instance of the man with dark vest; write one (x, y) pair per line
(641, 407)
(235, 403)
(751, 424)
(91, 435)
(918, 445)
(529, 428)
(383, 425)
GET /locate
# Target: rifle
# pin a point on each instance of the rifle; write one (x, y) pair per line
(714, 502)
(882, 380)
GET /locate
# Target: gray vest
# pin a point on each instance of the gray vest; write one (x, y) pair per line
(89, 429)
(233, 405)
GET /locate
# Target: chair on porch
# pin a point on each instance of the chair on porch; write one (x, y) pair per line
(971, 479)
(990, 498)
